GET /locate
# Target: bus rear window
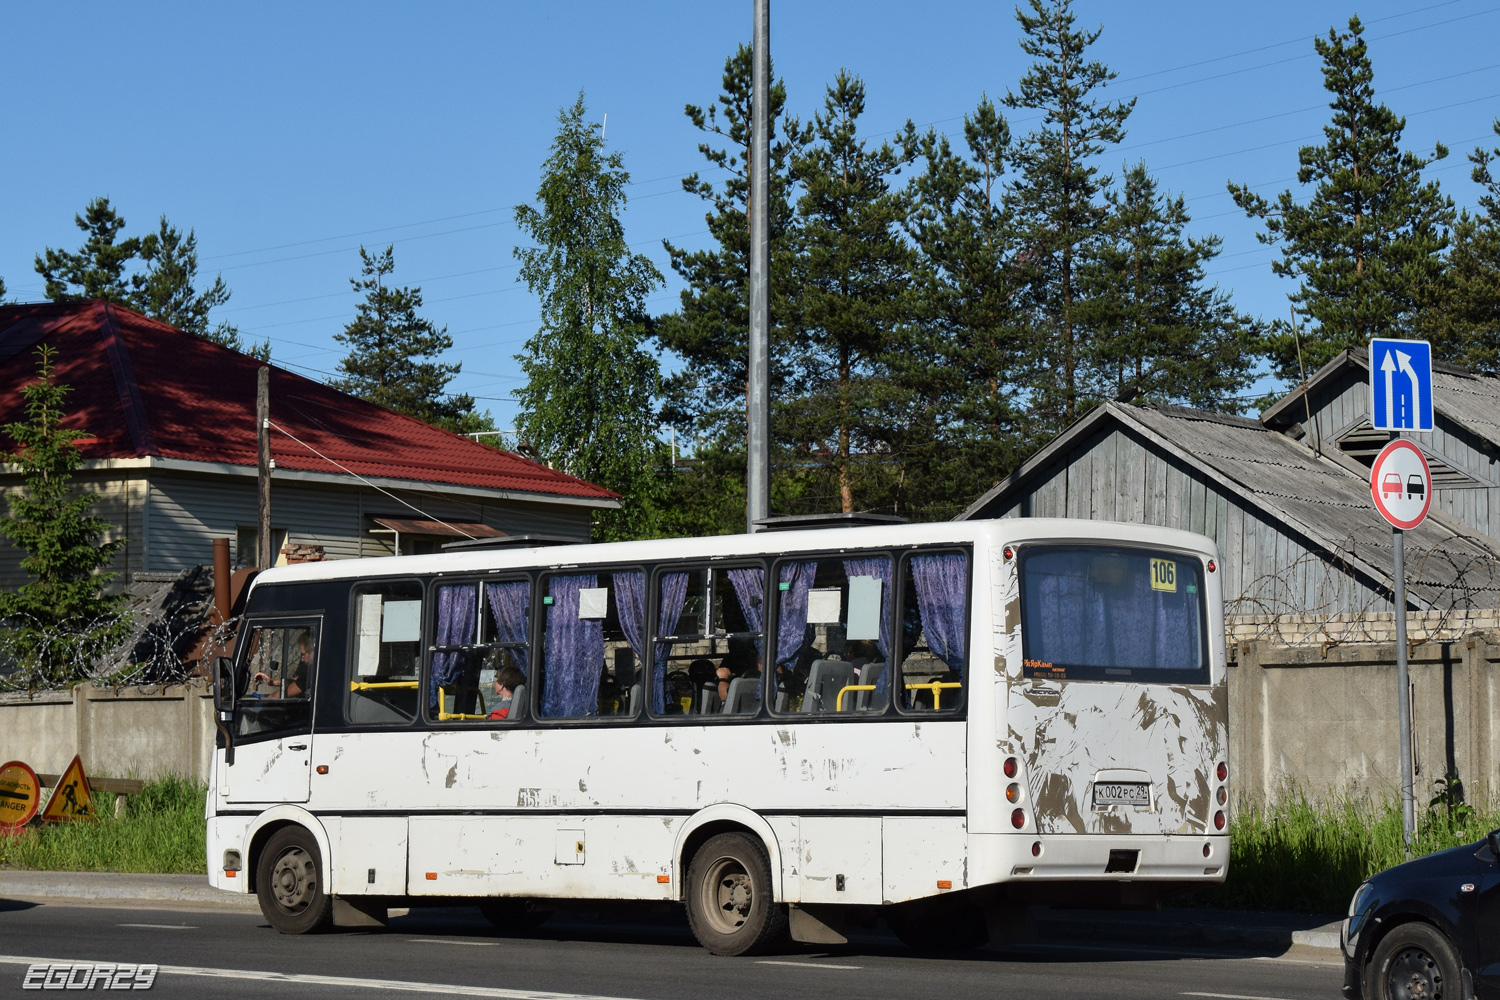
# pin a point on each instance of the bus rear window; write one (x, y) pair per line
(1103, 613)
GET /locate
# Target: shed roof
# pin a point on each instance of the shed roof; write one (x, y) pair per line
(1320, 497)
(143, 388)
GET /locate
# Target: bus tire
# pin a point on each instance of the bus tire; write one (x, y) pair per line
(513, 917)
(939, 926)
(289, 883)
(731, 906)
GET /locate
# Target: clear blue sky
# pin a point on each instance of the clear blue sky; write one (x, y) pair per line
(287, 134)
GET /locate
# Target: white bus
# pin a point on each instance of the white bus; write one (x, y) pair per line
(937, 722)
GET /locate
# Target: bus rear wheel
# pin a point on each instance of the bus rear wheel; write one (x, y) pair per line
(730, 904)
(289, 883)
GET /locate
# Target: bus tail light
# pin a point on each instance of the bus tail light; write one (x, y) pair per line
(1211, 566)
(1223, 795)
(1018, 818)
(1013, 792)
(1222, 771)
(1036, 848)
(1218, 819)
(1012, 766)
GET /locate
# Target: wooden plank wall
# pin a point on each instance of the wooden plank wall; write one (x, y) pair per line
(117, 495)
(1339, 406)
(1268, 569)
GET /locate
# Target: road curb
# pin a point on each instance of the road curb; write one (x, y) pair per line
(104, 887)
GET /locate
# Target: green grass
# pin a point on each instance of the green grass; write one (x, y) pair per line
(161, 832)
(1310, 857)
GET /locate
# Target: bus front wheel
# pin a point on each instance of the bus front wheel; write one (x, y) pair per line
(730, 905)
(289, 883)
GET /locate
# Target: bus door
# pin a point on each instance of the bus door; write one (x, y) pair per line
(1121, 716)
(273, 713)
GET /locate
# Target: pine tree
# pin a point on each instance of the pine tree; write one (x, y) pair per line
(709, 330)
(165, 290)
(965, 338)
(1368, 244)
(386, 342)
(98, 269)
(1056, 206)
(1463, 320)
(852, 275)
(588, 402)
(60, 619)
(2, 291)
(1160, 334)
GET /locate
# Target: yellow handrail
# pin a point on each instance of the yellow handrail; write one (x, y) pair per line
(937, 688)
(838, 703)
(374, 685)
(445, 716)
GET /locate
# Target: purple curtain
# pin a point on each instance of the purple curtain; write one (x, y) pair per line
(630, 602)
(750, 588)
(791, 610)
(1082, 622)
(455, 626)
(942, 585)
(572, 651)
(880, 568)
(510, 610)
(673, 598)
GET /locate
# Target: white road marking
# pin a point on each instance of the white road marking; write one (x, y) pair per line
(162, 927)
(807, 965)
(1230, 996)
(471, 944)
(347, 982)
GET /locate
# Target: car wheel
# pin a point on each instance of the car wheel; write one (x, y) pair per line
(513, 917)
(1415, 962)
(289, 883)
(731, 907)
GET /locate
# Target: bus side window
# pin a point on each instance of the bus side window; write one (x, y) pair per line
(709, 642)
(505, 634)
(593, 640)
(277, 678)
(386, 652)
(934, 623)
(833, 635)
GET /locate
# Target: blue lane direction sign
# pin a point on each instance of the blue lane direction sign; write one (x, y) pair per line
(1400, 385)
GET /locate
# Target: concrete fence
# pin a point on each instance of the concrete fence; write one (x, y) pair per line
(129, 733)
(1321, 719)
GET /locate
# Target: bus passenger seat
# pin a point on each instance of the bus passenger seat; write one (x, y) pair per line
(742, 697)
(709, 701)
(868, 700)
(634, 700)
(517, 704)
(824, 682)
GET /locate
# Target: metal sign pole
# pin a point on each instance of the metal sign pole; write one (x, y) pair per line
(1403, 683)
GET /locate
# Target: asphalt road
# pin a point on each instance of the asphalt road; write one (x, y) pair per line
(205, 953)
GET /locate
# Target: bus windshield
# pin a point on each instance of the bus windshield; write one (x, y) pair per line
(1092, 612)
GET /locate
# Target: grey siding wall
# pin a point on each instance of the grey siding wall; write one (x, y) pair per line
(1268, 569)
(118, 500)
(187, 512)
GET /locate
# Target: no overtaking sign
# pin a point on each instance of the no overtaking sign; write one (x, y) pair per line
(1401, 483)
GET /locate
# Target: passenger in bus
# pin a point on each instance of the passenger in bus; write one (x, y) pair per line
(859, 652)
(740, 661)
(507, 679)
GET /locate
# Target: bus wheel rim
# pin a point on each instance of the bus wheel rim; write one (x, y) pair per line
(728, 895)
(1415, 975)
(293, 880)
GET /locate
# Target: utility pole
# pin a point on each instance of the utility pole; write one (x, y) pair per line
(263, 467)
(757, 396)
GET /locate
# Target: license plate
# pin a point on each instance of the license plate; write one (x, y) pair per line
(1122, 793)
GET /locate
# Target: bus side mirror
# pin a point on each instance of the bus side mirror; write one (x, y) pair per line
(224, 686)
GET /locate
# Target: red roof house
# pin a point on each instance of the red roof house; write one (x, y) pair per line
(171, 451)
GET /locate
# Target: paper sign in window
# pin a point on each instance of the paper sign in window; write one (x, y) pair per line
(864, 608)
(824, 606)
(1164, 575)
(593, 602)
(368, 642)
(402, 622)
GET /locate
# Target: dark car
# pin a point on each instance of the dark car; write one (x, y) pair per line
(1428, 929)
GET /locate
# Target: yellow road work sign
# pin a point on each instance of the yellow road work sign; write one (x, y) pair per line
(70, 799)
(20, 793)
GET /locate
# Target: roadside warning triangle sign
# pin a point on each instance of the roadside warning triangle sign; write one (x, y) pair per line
(70, 799)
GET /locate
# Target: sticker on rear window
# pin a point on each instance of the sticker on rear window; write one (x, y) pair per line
(1164, 575)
